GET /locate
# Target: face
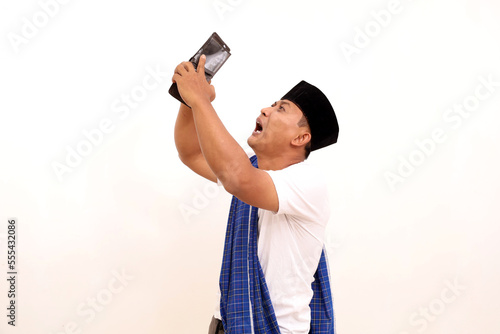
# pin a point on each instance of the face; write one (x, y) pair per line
(276, 128)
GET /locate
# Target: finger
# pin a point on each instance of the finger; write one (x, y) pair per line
(188, 66)
(183, 67)
(201, 65)
(177, 74)
(175, 77)
(212, 93)
(180, 69)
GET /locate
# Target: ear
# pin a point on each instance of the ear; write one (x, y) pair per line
(301, 139)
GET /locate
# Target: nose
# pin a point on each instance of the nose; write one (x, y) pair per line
(266, 111)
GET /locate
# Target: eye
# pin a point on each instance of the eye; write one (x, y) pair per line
(282, 108)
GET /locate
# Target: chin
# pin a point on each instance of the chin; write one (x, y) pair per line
(254, 145)
(250, 141)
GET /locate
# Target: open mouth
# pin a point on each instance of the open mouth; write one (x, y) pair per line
(258, 127)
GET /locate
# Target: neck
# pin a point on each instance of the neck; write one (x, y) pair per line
(277, 161)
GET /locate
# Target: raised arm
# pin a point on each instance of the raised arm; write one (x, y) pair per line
(188, 146)
(224, 156)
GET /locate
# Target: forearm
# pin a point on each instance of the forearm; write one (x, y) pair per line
(186, 138)
(223, 154)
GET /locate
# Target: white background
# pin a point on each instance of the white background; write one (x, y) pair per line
(130, 206)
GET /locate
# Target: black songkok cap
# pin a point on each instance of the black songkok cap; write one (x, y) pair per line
(318, 111)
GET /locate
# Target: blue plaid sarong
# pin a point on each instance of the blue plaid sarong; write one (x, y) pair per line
(245, 304)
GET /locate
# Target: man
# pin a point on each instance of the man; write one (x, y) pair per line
(276, 293)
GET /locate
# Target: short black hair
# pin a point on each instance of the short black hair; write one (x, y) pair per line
(304, 123)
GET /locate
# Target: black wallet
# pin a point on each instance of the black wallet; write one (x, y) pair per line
(216, 51)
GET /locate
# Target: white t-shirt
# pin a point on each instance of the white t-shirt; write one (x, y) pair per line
(290, 243)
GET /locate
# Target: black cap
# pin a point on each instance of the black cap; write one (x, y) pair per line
(318, 111)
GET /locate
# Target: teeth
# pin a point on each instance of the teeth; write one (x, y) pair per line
(258, 126)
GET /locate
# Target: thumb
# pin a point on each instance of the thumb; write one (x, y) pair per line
(201, 65)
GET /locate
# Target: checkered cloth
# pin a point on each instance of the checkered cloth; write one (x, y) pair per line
(245, 304)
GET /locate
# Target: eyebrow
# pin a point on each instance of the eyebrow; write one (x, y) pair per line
(283, 103)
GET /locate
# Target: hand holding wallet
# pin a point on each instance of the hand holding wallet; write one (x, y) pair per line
(216, 52)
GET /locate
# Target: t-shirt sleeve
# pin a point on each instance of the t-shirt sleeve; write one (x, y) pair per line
(301, 190)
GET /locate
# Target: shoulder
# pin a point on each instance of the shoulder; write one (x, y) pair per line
(301, 189)
(303, 175)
